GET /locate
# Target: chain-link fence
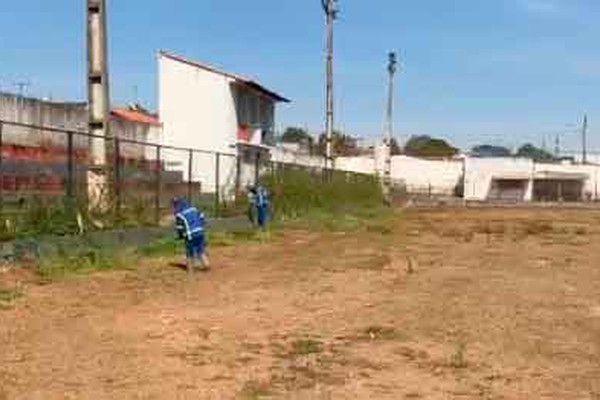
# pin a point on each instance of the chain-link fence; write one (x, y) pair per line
(55, 180)
(53, 175)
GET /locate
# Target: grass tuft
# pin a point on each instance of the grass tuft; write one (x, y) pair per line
(306, 346)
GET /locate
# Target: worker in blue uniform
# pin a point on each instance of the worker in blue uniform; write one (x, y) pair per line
(262, 206)
(190, 224)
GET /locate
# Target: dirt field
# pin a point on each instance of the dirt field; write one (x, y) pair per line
(449, 304)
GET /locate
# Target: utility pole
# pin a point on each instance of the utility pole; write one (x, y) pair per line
(584, 129)
(98, 95)
(557, 146)
(331, 10)
(387, 140)
(21, 86)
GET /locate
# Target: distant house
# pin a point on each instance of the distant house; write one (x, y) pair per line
(203, 107)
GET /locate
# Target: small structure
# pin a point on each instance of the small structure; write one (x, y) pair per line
(520, 179)
(207, 108)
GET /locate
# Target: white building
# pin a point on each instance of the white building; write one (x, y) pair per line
(203, 107)
(520, 179)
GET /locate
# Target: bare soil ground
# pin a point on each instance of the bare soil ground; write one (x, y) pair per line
(449, 304)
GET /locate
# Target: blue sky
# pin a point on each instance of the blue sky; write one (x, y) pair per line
(473, 71)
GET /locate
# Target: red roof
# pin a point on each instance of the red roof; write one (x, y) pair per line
(135, 116)
(238, 78)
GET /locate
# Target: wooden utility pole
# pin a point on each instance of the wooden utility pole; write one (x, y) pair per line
(388, 132)
(98, 97)
(330, 9)
(584, 129)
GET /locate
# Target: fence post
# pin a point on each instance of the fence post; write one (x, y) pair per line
(158, 184)
(238, 173)
(256, 167)
(217, 184)
(117, 176)
(1, 168)
(70, 174)
(190, 170)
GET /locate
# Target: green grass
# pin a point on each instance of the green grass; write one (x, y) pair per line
(85, 259)
(306, 346)
(7, 296)
(170, 245)
(344, 202)
(298, 193)
(254, 390)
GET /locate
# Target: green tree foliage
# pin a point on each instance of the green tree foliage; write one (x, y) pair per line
(535, 153)
(297, 135)
(395, 147)
(343, 145)
(428, 147)
(488, 150)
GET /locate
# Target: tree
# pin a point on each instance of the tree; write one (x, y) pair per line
(488, 150)
(428, 147)
(535, 153)
(395, 147)
(297, 135)
(343, 145)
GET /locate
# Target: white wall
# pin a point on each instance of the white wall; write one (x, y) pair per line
(197, 110)
(591, 186)
(361, 165)
(479, 173)
(281, 154)
(419, 175)
(439, 177)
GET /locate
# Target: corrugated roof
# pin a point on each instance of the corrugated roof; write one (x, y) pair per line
(135, 116)
(238, 78)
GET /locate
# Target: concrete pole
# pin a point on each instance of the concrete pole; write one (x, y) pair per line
(98, 96)
(387, 140)
(330, 13)
(584, 139)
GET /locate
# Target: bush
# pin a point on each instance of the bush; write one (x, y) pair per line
(299, 193)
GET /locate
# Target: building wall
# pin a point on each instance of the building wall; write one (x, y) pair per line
(438, 177)
(285, 155)
(479, 173)
(39, 112)
(197, 110)
(418, 175)
(591, 186)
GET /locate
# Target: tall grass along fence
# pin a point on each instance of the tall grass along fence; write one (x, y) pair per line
(61, 181)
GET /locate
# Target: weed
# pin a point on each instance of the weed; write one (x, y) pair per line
(7, 296)
(165, 246)
(83, 260)
(254, 390)
(537, 227)
(306, 346)
(490, 228)
(299, 193)
(377, 332)
(458, 359)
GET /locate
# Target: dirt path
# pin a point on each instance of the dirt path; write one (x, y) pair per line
(502, 304)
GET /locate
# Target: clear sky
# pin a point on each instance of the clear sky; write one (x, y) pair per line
(473, 71)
